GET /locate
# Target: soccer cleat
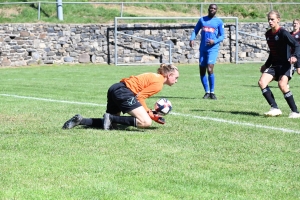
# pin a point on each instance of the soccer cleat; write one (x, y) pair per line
(273, 112)
(107, 123)
(213, 96)
(206, 96)
(71, 123)
(294, 115)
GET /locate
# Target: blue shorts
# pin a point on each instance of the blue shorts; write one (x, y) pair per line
(120, 98)
(208, 57)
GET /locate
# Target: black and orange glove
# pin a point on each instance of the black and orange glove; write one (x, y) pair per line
(156, 117)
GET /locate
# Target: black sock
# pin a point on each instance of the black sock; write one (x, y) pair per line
(93, 122)
(97, 122)
(124, 120)
(86, 121)
(267, 93)
(290, 100)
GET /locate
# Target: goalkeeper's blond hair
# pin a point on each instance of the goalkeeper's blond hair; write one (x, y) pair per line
(166, 69)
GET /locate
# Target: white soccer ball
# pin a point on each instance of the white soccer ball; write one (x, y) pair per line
(163, 106)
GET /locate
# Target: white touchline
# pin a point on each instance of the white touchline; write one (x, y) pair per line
(52, 100)
(238, 123)
(172, 113)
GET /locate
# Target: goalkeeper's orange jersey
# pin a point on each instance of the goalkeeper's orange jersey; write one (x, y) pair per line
(144, 86)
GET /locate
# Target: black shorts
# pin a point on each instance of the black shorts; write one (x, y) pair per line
(120, 98)
(279, 70)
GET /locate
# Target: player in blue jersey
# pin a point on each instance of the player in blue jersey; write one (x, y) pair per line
(279, 65)
(212, 33)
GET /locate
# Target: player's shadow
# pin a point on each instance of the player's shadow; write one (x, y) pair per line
(270, 86)
(256, 86)
(238, 112)
(231, 112)
(120, 128)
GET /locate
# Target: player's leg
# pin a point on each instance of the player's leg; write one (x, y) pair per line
(204, 81)
(120, 99)
(263, 82)
(139, 118)
(112, 107)
(143, 120)
(288, 96)
(212, 58)
(211, 80)
(79, 120)
(202, 70)
(96, 122)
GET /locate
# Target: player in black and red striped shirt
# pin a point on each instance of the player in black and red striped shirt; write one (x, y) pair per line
(279, 65)
(296, 34)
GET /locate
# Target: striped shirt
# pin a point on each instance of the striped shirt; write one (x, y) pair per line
(280, 44)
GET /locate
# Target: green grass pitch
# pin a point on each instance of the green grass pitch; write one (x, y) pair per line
(224, 149)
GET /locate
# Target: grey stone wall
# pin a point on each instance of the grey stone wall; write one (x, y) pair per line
(27, 44)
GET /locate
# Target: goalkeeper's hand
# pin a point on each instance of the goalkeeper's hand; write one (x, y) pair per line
(156, 117)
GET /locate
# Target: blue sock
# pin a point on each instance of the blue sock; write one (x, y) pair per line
(204, 83)
(211, 80)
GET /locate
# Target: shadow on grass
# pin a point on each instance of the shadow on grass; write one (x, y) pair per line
(238, 112)
(231, 112)
(256, 86)
(270, 86)
(119, 128)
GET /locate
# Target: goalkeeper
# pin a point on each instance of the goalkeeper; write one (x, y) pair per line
(128, 96)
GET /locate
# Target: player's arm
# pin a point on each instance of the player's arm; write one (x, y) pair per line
(291, 41)
(297, 66)
(195, 32)
(147, 92)
(221, 33)
(152, 114)
(152, 89)
(268, 62)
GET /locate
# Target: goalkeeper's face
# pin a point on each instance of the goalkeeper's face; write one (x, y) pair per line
(172, 78)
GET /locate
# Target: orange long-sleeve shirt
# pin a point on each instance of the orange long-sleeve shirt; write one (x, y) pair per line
(144, 86)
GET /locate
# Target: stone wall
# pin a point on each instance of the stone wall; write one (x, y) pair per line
(27, 44)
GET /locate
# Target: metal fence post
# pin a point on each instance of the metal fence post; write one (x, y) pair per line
(39, 10)
(201, 9)
(236, 41)
(122, 5)
(116, 46)
(60, 10)
(170, 52)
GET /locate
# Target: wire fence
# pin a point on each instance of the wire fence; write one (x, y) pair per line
(169, 44)
(202, 5)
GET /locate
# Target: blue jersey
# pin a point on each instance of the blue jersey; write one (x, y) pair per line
(211, 28)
